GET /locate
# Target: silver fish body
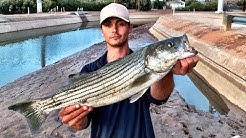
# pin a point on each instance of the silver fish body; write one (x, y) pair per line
(128, 77)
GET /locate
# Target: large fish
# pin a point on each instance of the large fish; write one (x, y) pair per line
(128, 77)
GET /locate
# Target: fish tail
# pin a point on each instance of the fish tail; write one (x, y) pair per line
(34, 115)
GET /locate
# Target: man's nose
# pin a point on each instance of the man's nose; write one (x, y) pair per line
(114, 28)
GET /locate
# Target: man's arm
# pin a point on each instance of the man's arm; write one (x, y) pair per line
(163, 88)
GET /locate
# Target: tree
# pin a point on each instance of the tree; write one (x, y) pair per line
(137, 5)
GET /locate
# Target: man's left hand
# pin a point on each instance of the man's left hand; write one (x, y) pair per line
(184, 66)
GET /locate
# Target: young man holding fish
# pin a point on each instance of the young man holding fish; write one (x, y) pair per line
(122, 119)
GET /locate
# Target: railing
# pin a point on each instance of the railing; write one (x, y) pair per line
(229, 19)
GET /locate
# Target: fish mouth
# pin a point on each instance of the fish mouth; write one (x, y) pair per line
(188, 53)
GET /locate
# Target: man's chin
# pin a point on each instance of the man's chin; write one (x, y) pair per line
(117, 44)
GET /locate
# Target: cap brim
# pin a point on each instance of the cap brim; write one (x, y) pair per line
(126, 20)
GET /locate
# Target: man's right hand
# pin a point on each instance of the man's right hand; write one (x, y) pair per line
(75, 116)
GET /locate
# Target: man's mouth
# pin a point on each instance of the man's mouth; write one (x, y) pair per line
(115, 37)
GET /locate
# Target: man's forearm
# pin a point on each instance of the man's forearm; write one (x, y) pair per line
(163, 88)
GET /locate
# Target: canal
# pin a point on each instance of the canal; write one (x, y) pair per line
(23, 57)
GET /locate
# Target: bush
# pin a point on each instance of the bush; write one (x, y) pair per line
(93, 6)
(240, 3)
(31, 4)
(145, 5)
(20, 6)
(70, 5)
(131, 4)
(158, 4)
(73, 5)
(14, 6)
(210, 6)
(6, 7)
(198, 6)
(47, 5)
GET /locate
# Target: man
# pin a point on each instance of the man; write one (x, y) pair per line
(122, 119)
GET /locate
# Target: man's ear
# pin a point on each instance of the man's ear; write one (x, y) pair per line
(101, 30)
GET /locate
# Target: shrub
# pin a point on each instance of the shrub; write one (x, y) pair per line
(198, 6)
(93, 6)
(14, 6)
(6, 6)
(210, 6)
(47, 5)
(158, 4)
(145, 5)
(70, 5)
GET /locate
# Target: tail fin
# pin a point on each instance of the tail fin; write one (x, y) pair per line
(34, 115)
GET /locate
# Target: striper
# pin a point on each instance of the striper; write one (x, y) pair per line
(127, 77)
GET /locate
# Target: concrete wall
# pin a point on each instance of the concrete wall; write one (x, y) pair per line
(10, 31)
(225, 72)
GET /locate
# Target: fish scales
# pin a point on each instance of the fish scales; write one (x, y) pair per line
(128, 77)
(102, 77)
(86, 94)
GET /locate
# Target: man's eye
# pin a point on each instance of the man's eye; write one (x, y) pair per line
(122, 23)
(107, 24)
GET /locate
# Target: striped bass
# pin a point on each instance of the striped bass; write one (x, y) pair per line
(127, 77)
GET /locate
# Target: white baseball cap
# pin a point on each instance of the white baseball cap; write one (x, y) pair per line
(114, 10)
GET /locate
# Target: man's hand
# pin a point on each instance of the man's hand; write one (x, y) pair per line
(184, 66)
(75, 116)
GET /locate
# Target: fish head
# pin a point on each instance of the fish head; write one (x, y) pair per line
(163, 55)
(184, 48)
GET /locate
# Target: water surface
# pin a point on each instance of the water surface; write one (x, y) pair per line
(23, 57)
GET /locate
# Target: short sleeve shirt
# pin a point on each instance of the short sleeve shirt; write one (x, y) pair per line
(122, 119)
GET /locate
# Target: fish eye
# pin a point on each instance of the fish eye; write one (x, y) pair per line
(170, 44)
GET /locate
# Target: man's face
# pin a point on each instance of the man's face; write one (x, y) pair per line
(115, 31)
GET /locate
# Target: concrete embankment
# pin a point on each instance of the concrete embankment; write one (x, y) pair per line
(16, 27)
(222, 54)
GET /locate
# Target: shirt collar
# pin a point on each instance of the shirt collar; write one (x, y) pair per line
(103, 60)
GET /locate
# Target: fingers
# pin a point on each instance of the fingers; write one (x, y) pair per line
(75, 115)
(79, 120)
(190, 65)
(195, 59)
(67, 110)
(185, 66)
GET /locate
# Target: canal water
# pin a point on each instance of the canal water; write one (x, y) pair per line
(23, 57)
(20, 58)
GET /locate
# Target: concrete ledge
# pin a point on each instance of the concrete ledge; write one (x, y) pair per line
(223, 71)
(25, 25)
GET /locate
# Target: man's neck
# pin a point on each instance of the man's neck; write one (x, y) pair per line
(115, 53)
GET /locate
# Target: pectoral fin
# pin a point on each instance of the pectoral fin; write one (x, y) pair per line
(135, 97)
(137, 84)
(141, 80)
